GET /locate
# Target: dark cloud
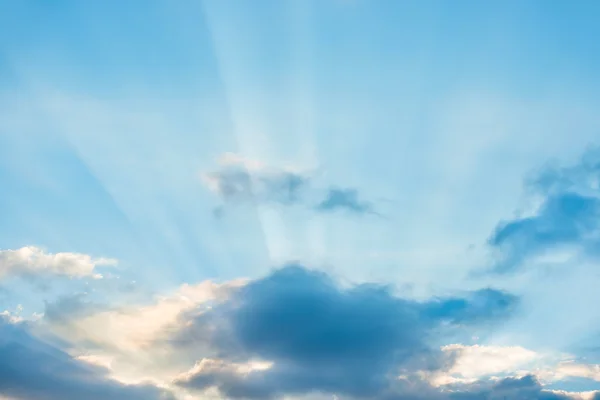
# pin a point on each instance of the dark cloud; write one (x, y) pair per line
(478, 306)
(344, 199)
(524, 388)
(30, 369)
(569, 215)
(320, 337)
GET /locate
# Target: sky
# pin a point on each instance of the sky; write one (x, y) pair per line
(299, 200)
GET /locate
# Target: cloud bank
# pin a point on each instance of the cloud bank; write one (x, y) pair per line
(296, 333)
(316, 337)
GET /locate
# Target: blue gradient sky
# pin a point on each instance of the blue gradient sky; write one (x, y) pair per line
(389, 142)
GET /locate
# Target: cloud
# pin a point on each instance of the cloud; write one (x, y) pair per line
(571, 369)
(130, 328)
(322, 338)
(31, 261)
(68, 308)
(523, 388)
(478, 361)
(297, 333)
(344, 199)
(33, 370)
(129, 337)
(565, 223)
(240, 181)
(479, 305)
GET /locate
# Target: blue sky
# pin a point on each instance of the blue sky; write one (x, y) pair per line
(299, 199)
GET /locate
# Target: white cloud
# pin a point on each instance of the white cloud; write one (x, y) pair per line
(10, 317)
(567, 369)
(128, 340)
(478, 361)
(215, 366)
(588, 395)
(97, 360)
(133, 328)
(31, 261)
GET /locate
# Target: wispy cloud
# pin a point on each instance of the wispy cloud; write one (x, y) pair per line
(338, 199)
(566, 220)
(240, 180)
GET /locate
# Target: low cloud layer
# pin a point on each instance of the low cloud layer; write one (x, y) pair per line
(320, 338)
(33, 370)
(297, 333)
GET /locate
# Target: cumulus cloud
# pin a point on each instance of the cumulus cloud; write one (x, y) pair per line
(129, 336)
(30, 369)
(31, 261)
(297, 333)
(128, 328)
(241, 180)
(565, 222)
(319, 337)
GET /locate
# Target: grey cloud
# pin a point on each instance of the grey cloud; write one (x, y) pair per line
(67, 308)
(524, 388)
(31, 369)
(235, 184)
(344, 199)
(239, 181)
(569, 215)
(350, 342)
